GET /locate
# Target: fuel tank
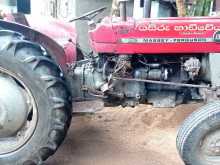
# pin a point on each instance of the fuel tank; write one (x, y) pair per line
(164, 35)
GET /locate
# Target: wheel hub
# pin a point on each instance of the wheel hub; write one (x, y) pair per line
(13, 107)
(210, 148)
(18, 112)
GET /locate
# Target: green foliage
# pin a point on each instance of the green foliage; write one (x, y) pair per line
(200, 8)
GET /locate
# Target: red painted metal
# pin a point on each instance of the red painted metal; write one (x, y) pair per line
(165, 35)
(64, 34)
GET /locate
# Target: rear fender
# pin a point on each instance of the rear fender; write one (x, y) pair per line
(52, 46)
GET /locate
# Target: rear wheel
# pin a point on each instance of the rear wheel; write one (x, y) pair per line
(198, 139)
(35, 105)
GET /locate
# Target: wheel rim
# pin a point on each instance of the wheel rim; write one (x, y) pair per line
(18, 112)
(210, 148)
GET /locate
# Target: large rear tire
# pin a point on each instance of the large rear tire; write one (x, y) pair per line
(26, 67)
(198, 140)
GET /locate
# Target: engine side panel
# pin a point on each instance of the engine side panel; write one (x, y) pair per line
(148, 36)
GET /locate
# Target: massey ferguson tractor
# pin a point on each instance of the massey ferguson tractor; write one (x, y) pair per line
(164, 62)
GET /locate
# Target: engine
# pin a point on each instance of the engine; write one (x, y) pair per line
(128, 80)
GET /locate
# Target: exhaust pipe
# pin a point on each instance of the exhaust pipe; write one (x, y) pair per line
(123, 9)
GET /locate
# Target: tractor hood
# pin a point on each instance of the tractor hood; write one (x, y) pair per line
(165, 35)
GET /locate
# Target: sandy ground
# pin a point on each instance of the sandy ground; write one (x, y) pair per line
(117, 136)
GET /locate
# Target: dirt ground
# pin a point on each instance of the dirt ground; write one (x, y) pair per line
(117, 136)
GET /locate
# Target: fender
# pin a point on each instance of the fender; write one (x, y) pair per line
(54, 48)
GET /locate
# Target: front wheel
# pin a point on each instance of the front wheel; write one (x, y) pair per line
(198, 139)
(35, 105)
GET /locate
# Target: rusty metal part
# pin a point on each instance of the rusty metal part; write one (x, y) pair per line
(162, 82)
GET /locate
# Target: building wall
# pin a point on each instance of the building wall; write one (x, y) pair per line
(217, 5)
(8, 5)
(61, 9)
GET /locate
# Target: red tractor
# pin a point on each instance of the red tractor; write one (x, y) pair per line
(165, 62)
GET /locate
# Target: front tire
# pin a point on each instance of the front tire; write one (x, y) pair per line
(198, 140)
(39, 79)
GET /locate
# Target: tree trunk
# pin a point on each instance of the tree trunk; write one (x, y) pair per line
(203, 7)
(181, 8)
(115, 11)
(199, 10)
(207, 7)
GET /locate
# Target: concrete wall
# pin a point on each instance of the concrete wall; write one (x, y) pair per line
(64, 9)
(8, 6)
(217, 5)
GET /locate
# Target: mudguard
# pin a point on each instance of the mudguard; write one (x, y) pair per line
(57, 37)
